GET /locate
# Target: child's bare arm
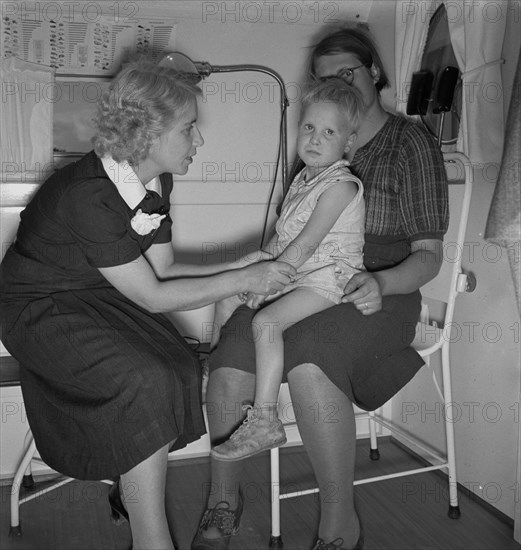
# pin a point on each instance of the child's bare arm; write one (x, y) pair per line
(329, 207)
(327, 211)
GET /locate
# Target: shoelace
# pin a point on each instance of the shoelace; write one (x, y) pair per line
(333, 545)
(251, 418)
(222, 518)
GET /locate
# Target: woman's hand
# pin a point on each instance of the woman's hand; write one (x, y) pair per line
(363, 290)
(253, 301)
(268, 277)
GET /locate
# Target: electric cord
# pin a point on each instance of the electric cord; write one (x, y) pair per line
(274, 182)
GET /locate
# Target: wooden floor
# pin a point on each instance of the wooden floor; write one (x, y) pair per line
(401, 514)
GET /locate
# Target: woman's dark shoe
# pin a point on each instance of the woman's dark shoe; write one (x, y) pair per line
(224, 522)
(118, 512)
(337, 544)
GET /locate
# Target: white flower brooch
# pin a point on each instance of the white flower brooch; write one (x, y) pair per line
(143, 224)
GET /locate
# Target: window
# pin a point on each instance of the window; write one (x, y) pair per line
(74, 107)
(440, 63)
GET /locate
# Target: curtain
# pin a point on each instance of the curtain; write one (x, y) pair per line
(411, 29)
(504, 218)
(477, 31)
(26, 113)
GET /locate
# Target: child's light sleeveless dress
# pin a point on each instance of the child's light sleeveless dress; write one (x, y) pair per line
(341, 249)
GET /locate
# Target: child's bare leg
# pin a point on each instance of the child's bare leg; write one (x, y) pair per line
(223, 311)
(270, 324)
(262, 429)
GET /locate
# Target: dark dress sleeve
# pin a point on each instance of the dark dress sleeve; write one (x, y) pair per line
(424, 189)
(99, 221)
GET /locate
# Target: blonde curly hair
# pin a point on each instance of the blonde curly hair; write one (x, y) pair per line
(141, 103)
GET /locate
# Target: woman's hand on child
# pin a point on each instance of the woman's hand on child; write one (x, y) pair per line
(268, 277)
(253, 301)
(363, 290)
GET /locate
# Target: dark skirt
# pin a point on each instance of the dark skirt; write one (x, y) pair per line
(368, 357)
(105, 383)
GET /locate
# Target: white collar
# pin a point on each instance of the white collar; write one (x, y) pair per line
(127, 183)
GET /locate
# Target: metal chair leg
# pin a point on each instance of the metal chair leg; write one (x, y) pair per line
(374, 453)
(15, 529)
(28, 480)
(275, 538)
(454, 511)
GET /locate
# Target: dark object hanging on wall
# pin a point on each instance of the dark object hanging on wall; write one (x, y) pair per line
(421, 90)
(422, 101)
(420, 93)
(447, 81)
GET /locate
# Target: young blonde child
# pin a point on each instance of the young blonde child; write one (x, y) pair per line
(320, 232)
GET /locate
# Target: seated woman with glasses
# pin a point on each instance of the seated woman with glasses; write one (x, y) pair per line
(345, 73)
(356, 352)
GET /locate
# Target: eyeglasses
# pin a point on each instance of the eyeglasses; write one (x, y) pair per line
(345, 73)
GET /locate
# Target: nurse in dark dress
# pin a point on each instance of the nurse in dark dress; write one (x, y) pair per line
(108, 383)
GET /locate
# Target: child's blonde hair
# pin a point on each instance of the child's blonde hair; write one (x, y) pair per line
(336, 90)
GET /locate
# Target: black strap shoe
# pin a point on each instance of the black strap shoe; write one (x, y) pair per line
(225, 520)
